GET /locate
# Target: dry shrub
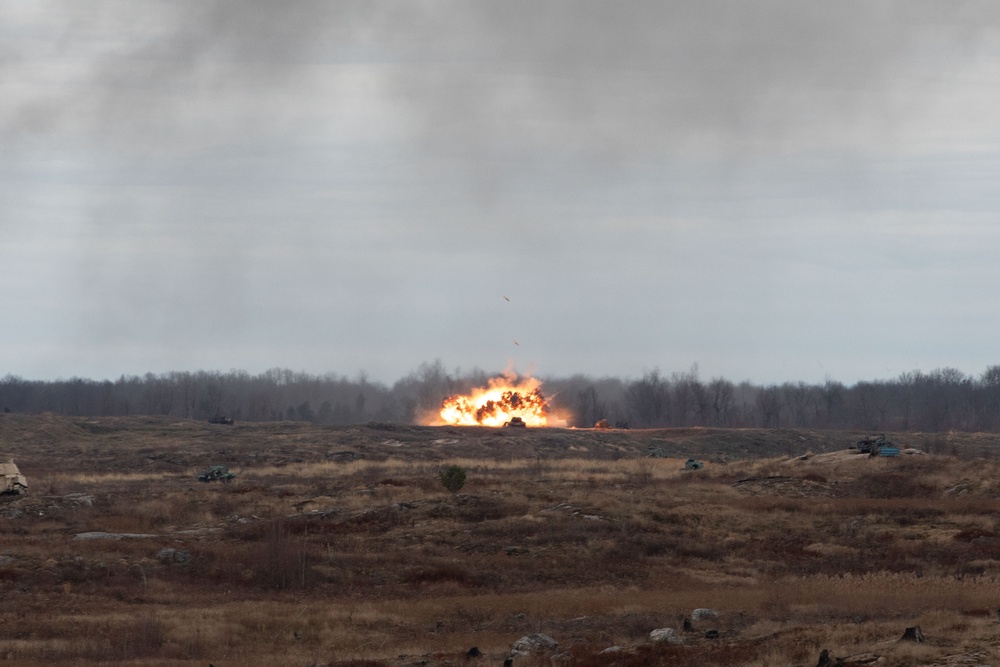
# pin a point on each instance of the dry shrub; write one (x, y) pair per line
(890, 485)
(269, 556)
(972, 534)
(443, 572)
(139, 638)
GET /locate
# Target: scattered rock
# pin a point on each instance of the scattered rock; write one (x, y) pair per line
(703, 613)
(98, 535)
(344, 456)
(317, 503)
(84, 499)
(612, 649)
(474, 652)
(171, 555)
(912, 635)
(533, 644)
(665, 635)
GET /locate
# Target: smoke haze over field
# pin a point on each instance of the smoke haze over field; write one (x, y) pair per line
(772, 190)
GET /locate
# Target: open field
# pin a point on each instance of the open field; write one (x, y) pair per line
(340, 546)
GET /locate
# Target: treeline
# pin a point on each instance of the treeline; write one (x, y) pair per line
(941, 400)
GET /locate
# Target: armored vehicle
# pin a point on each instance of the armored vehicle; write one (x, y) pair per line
(12, 482)
(877, 446)
(216, 474)
(515, 422)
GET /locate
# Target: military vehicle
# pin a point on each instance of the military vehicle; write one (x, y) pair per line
(216, 474)
(877, 446)
(12, 482)
(515, 422)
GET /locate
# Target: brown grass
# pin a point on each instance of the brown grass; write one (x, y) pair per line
(312, 556)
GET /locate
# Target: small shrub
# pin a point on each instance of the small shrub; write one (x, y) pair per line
(453, 478)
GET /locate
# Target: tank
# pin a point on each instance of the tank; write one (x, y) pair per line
(12, 482)
(216, 474)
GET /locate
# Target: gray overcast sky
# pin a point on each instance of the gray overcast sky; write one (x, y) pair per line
(775, 191)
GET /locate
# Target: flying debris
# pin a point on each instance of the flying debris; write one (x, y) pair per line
(516, 343)
(507, 298)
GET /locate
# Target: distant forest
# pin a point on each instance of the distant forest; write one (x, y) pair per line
(941, 400)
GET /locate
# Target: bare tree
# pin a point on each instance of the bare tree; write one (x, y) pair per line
(769, 406)
(649, 400)
(723, 401)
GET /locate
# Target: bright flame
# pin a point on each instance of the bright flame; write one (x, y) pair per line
(506, 397)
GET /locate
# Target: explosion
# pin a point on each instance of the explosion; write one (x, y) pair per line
(505, 398)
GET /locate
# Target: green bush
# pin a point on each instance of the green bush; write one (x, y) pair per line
(453, 478)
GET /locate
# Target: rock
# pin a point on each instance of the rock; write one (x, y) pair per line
(612, 649)
(533, 644)
(170, 555)
(98, 535)
(702, 614)
(912, 635)
(343, 456)
(824, 658)
(84, 499)
(665, 635)
(474, 652)
(712, 634)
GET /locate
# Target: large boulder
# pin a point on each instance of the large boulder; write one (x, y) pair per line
(534, 644)
(665, 635)
(703, 614)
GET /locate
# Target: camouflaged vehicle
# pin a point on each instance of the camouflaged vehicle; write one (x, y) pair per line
(12, 482)
(216, 474)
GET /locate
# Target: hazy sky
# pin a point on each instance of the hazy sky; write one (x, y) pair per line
(775, 191)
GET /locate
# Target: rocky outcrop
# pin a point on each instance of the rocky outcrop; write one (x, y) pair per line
(665, 635)
(534, 644)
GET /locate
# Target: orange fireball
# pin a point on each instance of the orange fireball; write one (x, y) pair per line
(505, 398)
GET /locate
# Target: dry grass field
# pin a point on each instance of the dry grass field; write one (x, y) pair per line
(340, 546)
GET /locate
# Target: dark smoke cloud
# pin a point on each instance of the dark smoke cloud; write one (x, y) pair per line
(217, 159)
(599, 78)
